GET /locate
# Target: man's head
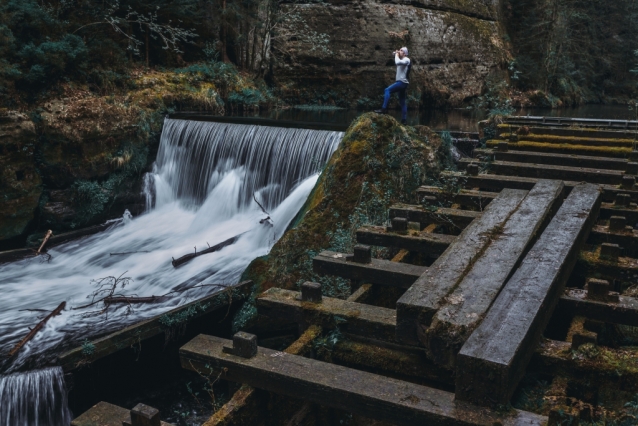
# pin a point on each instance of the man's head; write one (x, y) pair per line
(403, 52)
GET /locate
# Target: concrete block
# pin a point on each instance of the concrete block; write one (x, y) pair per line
(610, 251)
(143, 415)
(617, 223)
(632, 168)
(628, 182)
(362, 254)
(597, 289)
(311, 292)
(399, 224)
(472, 169)
(244, 345)
(622, 200)
(580, 339)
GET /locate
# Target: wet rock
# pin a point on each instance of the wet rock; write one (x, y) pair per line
(20, 183)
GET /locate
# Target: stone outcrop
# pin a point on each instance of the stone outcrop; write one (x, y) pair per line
(454, 45)
(20, 184)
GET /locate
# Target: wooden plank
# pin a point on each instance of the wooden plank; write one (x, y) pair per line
(554, 159)
(417, 306)
(458, 219)
(379, 271)
(497, 183)
(340, 387)
(494, 358)
(543, 171)
(463, 197)
(420, 242)
(625, 311)
(136, 333)
(355, 318)
(464, 308)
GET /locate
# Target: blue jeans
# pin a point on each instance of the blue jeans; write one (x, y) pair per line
(400, 87)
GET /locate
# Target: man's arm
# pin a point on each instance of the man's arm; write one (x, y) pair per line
(403, 61)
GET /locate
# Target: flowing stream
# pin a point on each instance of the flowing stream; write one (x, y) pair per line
(202, 191)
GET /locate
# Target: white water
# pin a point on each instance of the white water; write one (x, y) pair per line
(200, 192)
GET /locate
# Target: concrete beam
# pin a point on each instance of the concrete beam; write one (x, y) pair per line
(419, 304)
(355, 318)
(455, 218)
(494, 358)
(625, 311)
(465, 307)
(340, 387)
(587, 161)
(378, 271)
(420, 242)
(464, 197)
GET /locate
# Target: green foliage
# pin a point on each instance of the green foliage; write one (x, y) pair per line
(53, 59)
(179, 318)
(244, 316)
(445, 152)
(88, 348)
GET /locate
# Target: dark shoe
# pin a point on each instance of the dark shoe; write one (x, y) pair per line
(381, 111)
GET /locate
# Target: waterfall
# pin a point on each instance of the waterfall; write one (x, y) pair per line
(206, 186)
(36, 398)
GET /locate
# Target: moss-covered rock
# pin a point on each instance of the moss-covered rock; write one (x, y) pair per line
(20, 185)
(379, 162)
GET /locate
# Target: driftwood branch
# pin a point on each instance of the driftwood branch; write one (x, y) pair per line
(181, 260)
(35, 329)
(46, 238)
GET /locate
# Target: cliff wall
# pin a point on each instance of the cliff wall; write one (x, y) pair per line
(454, 46)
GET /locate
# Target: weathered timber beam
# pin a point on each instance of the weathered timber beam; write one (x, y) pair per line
(344, 388)
(462, 311)
(613, 368)
(420, 242)
(625, 311)
(378, 271)
(494, 358)
(136, 333)
(553, 159)
(419, 304)
(105, 414)
(497, 183)
(543, 171)
(464, 197)
(413, 213)
(565, 149)
(355, 318)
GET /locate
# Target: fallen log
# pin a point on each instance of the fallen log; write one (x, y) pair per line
(135, 300)
(187, 257)
(35, 329)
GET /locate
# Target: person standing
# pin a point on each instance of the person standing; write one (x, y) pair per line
(404, 65)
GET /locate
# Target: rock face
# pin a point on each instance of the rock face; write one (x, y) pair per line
(454, 46)
(20, 185)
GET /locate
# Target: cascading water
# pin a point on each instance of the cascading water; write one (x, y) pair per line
(203, 190)
(37, 397)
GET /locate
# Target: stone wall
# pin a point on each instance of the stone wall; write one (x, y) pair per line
(454, 46)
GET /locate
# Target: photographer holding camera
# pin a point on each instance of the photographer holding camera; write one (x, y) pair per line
(400, 85)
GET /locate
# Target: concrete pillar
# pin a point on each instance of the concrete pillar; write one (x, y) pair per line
(311, 292)
(244, 345)
(143, 415)
(362, 254)
(472, 169)
(610, 251)
(622, 200)
(399, 224)
(628, 182)
(617, 223)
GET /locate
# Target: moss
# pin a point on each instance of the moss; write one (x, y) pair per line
(378, 163)
(579, 140)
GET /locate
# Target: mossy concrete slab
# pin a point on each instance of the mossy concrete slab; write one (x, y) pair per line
(494, 358)
(419, 242)
(378, 271)
(465, 307)
(331, 385)
(419, 304)
(355, 318)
